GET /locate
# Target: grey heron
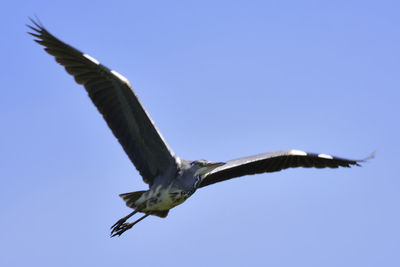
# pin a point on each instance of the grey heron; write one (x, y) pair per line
(171, 179)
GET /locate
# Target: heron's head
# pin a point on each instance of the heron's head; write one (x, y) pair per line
(200, 163)
(203, 166)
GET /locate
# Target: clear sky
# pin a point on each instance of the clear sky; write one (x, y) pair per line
(221, 79)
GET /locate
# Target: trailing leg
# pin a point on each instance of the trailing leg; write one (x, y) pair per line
(118, 224)
(126, 226)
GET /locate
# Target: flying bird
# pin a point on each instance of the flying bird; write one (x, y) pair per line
(171, 179)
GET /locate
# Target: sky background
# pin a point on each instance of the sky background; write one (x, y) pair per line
(221, 79)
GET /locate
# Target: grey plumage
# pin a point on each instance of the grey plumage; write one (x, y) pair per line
(171, 179)
(273, 162)
(118, 104)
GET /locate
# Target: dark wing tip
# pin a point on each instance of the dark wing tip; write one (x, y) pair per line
(36, 22)
(37, 28)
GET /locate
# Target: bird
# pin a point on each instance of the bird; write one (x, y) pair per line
(171, 179)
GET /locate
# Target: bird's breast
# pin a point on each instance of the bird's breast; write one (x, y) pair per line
(165, 198)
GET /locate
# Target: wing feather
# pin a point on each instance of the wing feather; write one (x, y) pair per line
(273, 162)
(113, 96)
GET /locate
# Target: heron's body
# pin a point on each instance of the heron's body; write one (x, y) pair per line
(171, 179)
(168, 192)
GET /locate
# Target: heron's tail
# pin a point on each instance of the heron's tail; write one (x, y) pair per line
(130, 198)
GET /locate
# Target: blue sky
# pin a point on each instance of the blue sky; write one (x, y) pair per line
(221, 79)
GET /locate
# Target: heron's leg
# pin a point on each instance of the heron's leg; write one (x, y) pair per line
(126, 226)
(118, 224)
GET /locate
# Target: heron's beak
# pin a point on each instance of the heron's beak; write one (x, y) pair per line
(212, 165)
(215, 164)
(209, 167)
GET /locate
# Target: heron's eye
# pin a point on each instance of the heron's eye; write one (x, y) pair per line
(203, 163)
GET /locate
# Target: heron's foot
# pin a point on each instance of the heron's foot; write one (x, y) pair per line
(117, 231)
(121, 226)
(118, 224)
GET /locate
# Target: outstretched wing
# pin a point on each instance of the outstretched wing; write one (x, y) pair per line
(273, 162)
(114, 98)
